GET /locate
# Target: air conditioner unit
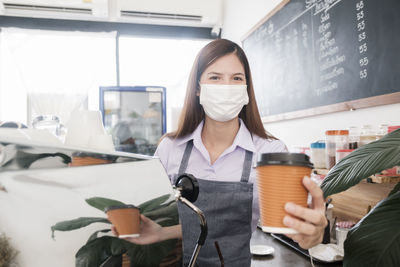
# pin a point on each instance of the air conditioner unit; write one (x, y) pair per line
(194, 13)
(56, 9)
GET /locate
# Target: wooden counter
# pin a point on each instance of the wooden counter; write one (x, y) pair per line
(357, 201)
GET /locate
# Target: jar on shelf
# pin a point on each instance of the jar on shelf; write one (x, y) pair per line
(335, 139)
(341, 153)
(318, 154)
(393, 128)
(367, 135)
(354, 137)
(382, 131)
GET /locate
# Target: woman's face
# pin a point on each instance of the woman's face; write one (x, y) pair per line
(225, 70)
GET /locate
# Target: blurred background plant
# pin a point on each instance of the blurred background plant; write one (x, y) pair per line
(7, 253)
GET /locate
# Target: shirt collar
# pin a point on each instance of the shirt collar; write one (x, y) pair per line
(196, 134)
(243, 137)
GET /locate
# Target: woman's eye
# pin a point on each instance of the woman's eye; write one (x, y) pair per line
(214, 78)
(238, 78)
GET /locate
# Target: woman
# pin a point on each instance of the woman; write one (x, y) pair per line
(219, 135)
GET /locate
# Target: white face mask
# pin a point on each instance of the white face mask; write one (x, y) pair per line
(223, 102)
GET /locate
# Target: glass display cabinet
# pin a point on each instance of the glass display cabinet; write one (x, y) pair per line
(135, 116)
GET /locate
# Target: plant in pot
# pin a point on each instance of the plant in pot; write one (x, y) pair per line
(100, 248)
(375, 239)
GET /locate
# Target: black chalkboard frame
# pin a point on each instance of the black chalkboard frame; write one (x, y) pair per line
(385, 99)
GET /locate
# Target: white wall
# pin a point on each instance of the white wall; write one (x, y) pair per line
(239, 17)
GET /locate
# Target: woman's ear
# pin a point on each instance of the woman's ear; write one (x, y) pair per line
(198, 89)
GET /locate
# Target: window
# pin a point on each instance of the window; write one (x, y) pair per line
(49, 72)
(159, 62)
(52, 72)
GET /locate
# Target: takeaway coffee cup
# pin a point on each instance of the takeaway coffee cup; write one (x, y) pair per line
(126, 219)
(280, 180)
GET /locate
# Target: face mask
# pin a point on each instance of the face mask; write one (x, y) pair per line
(223, 102)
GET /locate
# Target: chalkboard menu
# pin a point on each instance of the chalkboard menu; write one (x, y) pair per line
(314, 53)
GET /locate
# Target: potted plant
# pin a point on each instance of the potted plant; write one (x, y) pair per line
(375, 239)
(99, 248)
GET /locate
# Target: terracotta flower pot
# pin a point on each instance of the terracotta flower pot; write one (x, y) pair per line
(126, 218)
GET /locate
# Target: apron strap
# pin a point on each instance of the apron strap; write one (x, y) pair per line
(248, 159)
(185, 157)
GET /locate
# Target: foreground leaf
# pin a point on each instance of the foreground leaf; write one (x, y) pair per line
(150, 255)
(76, 224)
(153, 203)
(165, 211)
(95, 234)
(102, 203)
(395, 190)
(362, 163)
(98, 250)
(375, 240)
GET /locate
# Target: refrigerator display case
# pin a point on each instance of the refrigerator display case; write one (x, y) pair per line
(135, 116)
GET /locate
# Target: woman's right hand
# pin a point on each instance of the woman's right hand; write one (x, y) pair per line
(150, 232)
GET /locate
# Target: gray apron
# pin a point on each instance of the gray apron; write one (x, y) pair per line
(227, 207)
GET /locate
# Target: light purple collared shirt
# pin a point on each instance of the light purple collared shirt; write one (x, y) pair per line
(228, 166)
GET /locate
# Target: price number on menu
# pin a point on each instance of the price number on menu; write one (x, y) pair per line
(362, 38)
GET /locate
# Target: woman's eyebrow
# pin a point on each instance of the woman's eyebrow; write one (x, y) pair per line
(214, 73)
(217, 73)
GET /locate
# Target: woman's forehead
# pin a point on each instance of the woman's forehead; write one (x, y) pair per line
(226, 64)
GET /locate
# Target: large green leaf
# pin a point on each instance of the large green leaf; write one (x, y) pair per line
(150, 255)
(164, 211)
(102, 203)
(375, 240)
(98, 250)
(362, 163)
(76, 224)
(95, 234)
(395, 189)
(153, 203)
(95, 252)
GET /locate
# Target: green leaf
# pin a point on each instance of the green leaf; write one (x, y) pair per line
(375, 240)
(153, 203)
(98, 250)
(94, 235)
(395, 189)
(362, 163)
(76, 224)
(102, 203)
(166, 211)
(150, 255)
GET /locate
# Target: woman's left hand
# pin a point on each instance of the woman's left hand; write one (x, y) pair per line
(310, 222)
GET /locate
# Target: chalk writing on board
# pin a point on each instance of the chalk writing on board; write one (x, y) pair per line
(313, 53)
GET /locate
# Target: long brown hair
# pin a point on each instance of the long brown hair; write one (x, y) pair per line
(192, 113)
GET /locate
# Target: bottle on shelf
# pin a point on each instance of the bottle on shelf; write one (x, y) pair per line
(367, 135)
(335, 139)
(382, 131)
(354, 137)
(318, 154)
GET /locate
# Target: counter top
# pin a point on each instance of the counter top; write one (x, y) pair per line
(284, 256)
